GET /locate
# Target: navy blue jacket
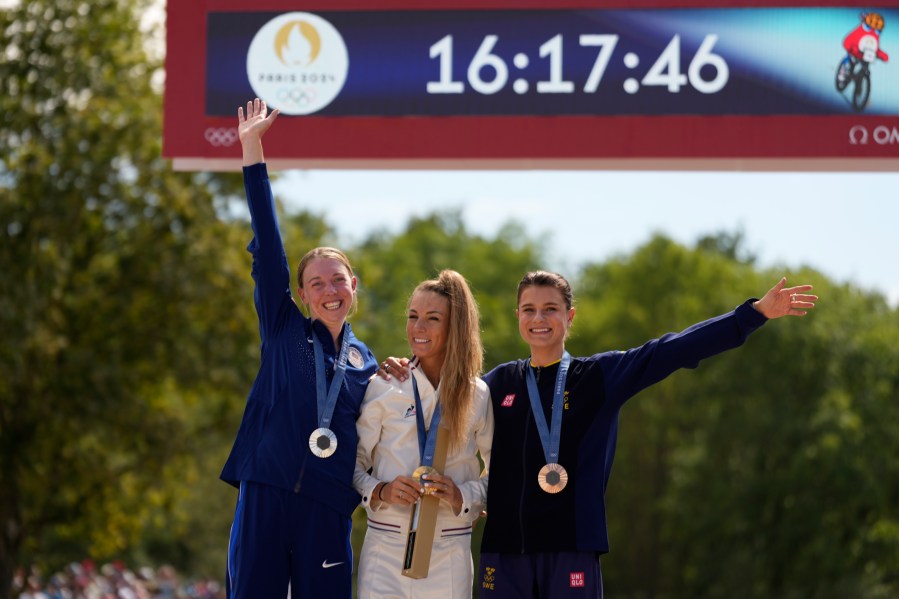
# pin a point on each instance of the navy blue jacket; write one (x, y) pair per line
(272, 445)
(522, 517)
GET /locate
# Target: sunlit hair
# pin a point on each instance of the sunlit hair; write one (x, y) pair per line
(331, 254)
(542, 278)
(464, 353)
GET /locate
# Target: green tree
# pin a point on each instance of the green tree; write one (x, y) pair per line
(127, 329)
(795, 462)
(764, 473)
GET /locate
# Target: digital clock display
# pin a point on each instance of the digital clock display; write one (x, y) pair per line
(749, 61)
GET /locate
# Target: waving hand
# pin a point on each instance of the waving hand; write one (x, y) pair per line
(251, 127)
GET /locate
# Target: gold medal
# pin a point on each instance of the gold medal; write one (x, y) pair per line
(323, 442)
(552, 478)
(422, 470)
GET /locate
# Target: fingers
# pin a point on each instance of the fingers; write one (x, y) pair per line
(801, 303)
(436, 484)
(798, 289)
(402, 491)
(256, 108)
(396, 367)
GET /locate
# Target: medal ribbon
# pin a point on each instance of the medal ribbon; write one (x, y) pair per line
(549, 436)
(427, 444)
(326, 397)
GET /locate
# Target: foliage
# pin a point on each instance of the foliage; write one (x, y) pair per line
(764, 473)
(120, 348)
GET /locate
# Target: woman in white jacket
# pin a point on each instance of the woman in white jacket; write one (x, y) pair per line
(398, 420)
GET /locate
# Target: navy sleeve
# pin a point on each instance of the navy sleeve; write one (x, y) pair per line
(627, 373)
(270, 270)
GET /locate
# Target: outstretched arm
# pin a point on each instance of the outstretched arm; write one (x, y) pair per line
(252, 127)
(786, 301)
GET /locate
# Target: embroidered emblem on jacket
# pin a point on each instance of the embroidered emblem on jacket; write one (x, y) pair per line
(508, 400)
(355, 358)
(489, 581)
(410, 411)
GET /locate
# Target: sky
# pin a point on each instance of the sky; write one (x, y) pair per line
(845, 225)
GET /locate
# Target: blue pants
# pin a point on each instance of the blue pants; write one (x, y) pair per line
(540, 575)
(280, 537)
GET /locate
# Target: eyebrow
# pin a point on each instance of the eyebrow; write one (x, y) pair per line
(320, 277)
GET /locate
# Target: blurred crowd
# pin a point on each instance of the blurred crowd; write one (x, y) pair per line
(83, 580)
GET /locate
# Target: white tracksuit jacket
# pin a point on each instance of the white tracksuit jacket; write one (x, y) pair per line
(388, 445)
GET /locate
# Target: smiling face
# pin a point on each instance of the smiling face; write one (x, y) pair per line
(328, 289)
(427, 328)
(543, 322)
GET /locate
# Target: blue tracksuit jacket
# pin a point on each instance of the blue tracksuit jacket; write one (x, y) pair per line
(281, 412)
(523, 518)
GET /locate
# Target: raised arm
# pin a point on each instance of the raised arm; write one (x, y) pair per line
(270, 269)
(629, 372)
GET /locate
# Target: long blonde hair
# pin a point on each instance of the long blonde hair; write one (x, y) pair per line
(464, 352)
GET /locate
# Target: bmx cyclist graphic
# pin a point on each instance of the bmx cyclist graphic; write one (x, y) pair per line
(862, 46)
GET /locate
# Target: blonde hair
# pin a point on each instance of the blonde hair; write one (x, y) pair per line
(330, 254)
(464, 352)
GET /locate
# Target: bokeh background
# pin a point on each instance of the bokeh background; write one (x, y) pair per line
(128, 339)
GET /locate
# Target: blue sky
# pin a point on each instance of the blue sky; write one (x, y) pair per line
(844, 224)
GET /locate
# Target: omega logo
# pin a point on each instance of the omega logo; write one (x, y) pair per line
(881, 135)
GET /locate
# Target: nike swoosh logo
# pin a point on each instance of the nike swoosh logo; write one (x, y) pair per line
(325, 564)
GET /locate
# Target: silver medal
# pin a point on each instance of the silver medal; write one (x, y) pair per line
(323, 442)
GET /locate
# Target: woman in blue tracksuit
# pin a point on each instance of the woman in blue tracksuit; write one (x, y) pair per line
(295, 451)
(556, 426)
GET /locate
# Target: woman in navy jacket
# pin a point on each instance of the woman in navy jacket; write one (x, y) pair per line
(295, 451)
(556, 426)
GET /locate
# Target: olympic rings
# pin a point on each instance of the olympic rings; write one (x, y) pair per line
(221, 136)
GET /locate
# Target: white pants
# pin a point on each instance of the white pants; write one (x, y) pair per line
(381, 564)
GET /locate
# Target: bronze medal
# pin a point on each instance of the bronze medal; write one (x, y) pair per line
(552, 478)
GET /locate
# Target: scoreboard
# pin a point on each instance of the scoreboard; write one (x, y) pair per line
(537, 84)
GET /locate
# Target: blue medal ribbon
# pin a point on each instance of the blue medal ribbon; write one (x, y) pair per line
(325, 396)
(427, 438)
(552, 434)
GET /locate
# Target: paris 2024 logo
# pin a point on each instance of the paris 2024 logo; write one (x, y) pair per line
(298, 63)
